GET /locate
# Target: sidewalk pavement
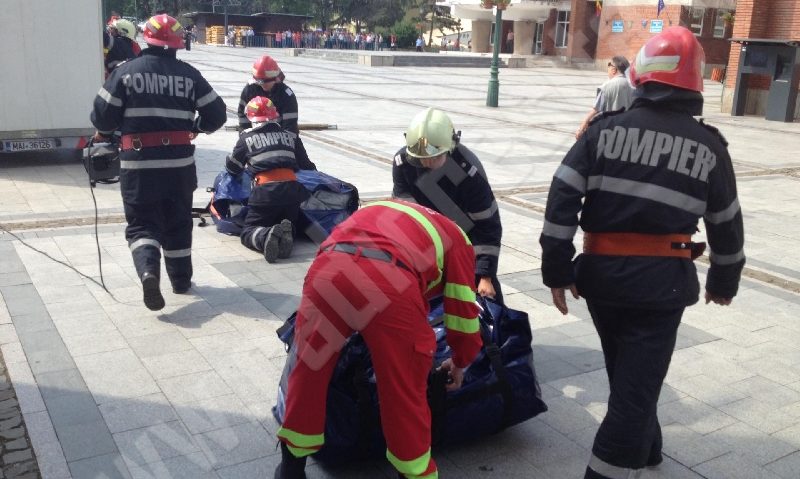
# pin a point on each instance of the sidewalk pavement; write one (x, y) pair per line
(110, 389)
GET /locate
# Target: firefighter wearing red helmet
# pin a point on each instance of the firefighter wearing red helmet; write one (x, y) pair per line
(637, 183)
(268, 81)
(158, 104)
(270, 153)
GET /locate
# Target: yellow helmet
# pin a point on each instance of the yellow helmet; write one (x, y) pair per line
(430, 134)
(125, 27)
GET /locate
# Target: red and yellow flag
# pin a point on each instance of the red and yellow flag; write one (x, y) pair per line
(598, 7)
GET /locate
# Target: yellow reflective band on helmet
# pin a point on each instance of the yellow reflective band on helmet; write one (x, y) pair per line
(155, 23)
(459, 292)
(414, 467)
(301, 442)
(464, 325)
(425, 223)
(177, 26)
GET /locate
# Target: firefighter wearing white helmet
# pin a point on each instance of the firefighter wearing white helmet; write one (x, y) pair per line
(435, 170)
(122, 43)
(638, 207)
(157, 121)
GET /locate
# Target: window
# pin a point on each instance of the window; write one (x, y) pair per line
(719, 22)
(562, 29)
(696, 20)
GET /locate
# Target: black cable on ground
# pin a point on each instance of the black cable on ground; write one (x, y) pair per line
(102, 282)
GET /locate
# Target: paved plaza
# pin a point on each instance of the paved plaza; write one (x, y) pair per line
(108, 389)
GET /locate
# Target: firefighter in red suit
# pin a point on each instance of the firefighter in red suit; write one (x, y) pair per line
(374, 274)
(641, 179)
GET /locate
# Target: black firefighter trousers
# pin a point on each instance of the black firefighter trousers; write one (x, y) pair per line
(637, 345)
(164, 224)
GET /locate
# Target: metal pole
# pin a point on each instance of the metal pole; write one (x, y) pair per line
(494, 82)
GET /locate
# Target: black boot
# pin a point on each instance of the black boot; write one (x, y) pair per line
(287, 239)
(181, 285)
(152, 292)
(291, 467)
(272, 244)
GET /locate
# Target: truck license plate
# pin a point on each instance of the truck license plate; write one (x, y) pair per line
(27, 145)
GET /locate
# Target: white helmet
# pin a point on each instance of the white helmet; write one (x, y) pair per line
(125, 27)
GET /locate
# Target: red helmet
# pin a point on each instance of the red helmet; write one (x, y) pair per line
(265, 69)
(673, 57)
(163, 31)
(261, 109)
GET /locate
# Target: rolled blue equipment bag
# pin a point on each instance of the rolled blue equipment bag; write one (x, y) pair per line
(331, 201)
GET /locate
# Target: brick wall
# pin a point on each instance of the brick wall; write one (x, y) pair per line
(583, 23)
(779, 19)
(634, 36)
(631, 40)
(549, 35)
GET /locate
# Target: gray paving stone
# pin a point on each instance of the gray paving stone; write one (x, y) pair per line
(57, 383)
(749, 441)
(126, 414)
(261, 467)
(215, 413)
(110, 466)
(72, 409)
(30, 323)
(85, 440)
(50, 459)
(159, 344)
(236, 444)
(155, 443)
(786, 467)
(12, 278)
(176, 364)
(194, 387)
(733, 466)
(192, 466)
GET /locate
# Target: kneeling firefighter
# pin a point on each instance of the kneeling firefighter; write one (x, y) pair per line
(639, 207)
(271, 154)
(374, 274)
(152, 100)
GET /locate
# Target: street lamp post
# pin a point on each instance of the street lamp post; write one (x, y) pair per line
(494, 82)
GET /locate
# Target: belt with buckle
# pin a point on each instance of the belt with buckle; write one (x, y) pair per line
(137, 141)
(278, 174)
(370, 253)
(637, 244)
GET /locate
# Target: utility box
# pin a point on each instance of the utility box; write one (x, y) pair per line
(780, 61)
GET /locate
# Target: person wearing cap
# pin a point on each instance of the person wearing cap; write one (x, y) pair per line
(270, 153)
(435, 170)
(159, 104)
(637, 182)
(615, 94)
(375, 274)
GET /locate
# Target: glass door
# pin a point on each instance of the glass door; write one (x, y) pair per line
(537, 43)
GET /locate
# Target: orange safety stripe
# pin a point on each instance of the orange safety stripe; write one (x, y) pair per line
(278, 174)
(637, 244)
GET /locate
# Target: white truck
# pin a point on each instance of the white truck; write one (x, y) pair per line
(51, 68)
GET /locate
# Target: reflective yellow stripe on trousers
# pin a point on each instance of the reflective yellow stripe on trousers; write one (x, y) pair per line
(301, 444)
(413, 468)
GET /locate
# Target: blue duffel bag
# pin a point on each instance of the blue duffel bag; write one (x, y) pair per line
(500, 388)
(330, 202)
